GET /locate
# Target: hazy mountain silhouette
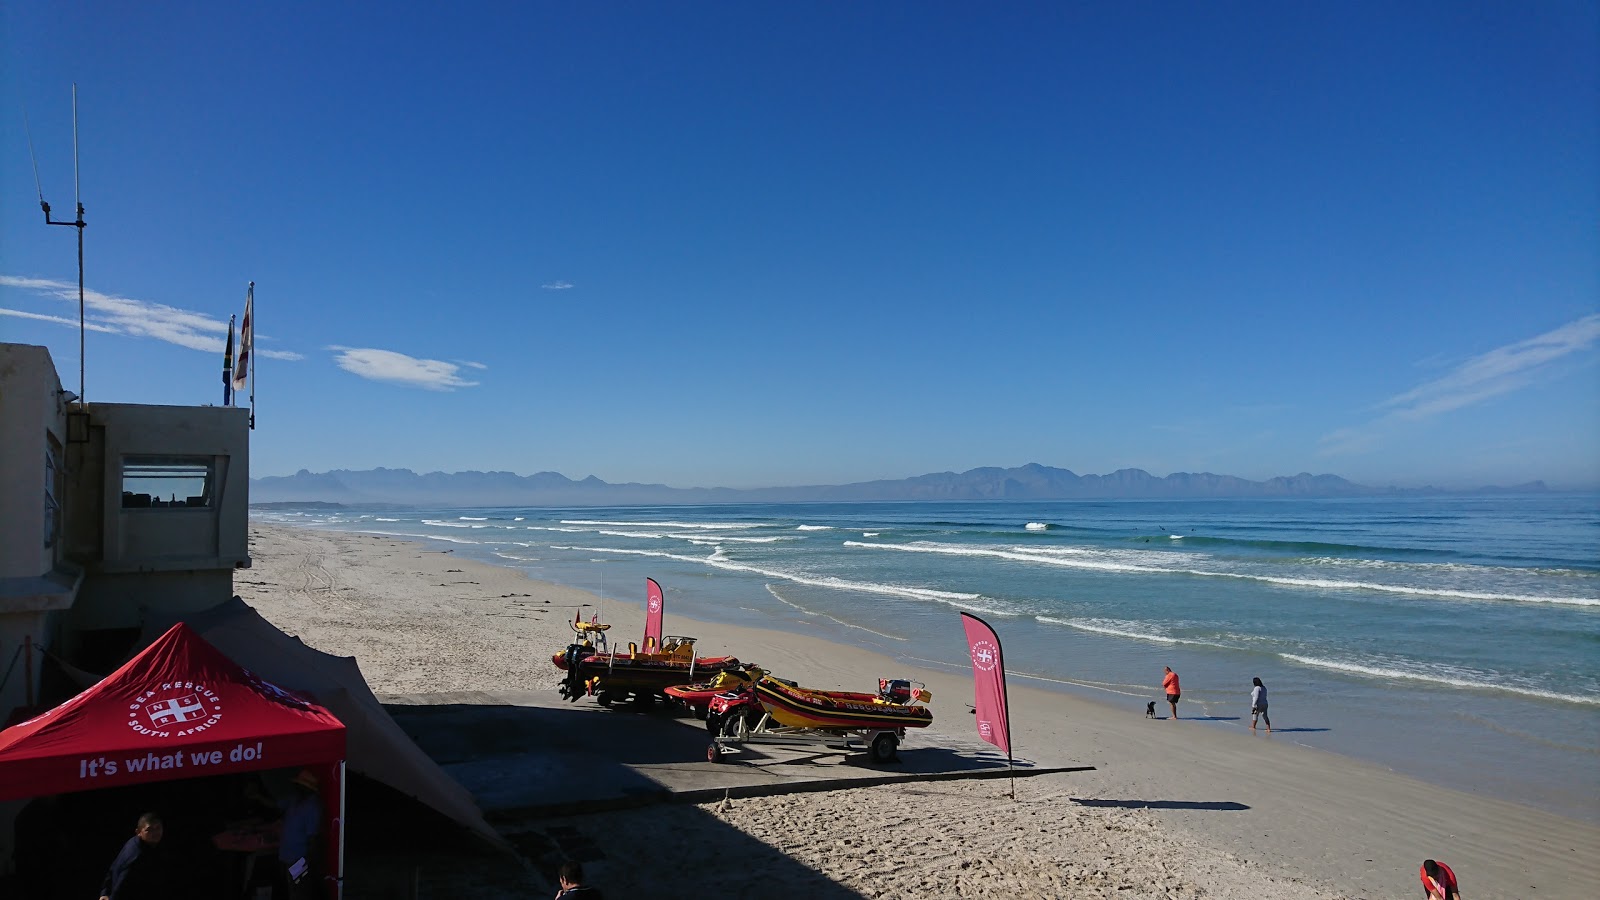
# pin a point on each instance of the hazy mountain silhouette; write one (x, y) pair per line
(1029, 482)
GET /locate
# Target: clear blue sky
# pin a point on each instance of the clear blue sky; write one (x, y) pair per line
(768, 244)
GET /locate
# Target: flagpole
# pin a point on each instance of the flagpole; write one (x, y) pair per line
(227, 367)
(79, 224)
(1005, 692)
(250, 298)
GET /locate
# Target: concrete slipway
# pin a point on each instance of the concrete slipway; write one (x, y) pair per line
(531, 753)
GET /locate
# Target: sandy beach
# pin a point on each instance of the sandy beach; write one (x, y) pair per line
(1173, 809)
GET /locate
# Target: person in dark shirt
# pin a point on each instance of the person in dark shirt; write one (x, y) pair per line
(140, 871)
(300, 809)
(572, 887)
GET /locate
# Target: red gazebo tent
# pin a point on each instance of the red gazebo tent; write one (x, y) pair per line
(180, 709)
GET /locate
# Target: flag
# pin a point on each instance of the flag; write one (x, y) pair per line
(989, 679)
(227, 367)
(247, 339)
(655, 602)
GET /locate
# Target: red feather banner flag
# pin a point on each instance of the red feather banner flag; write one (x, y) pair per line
(989, 679)
(655, 603)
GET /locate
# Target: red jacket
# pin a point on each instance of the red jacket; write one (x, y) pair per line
(1448, 881)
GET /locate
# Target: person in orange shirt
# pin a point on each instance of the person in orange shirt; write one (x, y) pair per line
(1438, 882)
(1174, 692)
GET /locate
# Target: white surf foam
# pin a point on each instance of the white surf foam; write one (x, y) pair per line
(810, 612)
(1079, 558)
(714, 526)
(1037, 526)
(1134, 630)
(720, 561)
(1449, 676)
(813, 528)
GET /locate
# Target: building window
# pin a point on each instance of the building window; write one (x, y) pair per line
(166, 482)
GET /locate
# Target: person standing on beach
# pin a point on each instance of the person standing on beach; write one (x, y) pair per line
(1258, 705)
(1438, 882)
(1174, 692)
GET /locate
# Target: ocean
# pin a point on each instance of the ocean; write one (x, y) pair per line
(1454, 639)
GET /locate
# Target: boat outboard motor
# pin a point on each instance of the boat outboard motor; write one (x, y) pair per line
(572, 685)
(894, 690)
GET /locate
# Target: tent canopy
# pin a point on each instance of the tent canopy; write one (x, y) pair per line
(378, 748)
(179, 709)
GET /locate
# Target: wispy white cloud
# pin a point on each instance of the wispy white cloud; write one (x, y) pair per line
(557, 285)
(472, 365)
(111, 314)
(1498, 372)
(137, 318)
(59, 320)
(398, 368)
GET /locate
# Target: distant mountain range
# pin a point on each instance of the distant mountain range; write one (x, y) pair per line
(1029, 482)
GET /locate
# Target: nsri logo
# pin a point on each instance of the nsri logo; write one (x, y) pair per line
(655, 604)
(175, 709)
(985, 655)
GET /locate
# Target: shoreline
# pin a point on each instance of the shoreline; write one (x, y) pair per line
(1308, 816)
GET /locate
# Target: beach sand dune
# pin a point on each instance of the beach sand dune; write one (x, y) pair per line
(1174, 809)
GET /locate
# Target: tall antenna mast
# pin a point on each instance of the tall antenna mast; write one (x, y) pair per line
(78, 224)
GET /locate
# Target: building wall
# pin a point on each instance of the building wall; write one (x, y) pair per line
(32, 419)
(32, 434)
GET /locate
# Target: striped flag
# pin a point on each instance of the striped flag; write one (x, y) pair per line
(227, 367)
(247, 339)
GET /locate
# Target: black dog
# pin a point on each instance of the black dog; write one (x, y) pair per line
(1150, 710)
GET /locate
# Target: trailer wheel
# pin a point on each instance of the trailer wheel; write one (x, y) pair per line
(699, 712)
(643, 700)
(713, 754)
(884, 748)
(604, 698)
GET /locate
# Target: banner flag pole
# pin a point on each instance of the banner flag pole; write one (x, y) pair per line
(990, 700)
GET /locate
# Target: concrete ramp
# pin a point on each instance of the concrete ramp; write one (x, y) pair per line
(531, 753)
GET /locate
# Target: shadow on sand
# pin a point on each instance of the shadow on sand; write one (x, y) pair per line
(1295, 730)
(540, 770)
(1219, 805)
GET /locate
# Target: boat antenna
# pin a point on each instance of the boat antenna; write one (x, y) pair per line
(78, 224)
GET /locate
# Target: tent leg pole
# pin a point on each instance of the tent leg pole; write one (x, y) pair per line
(338, 890)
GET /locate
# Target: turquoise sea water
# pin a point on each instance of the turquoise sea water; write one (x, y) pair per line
(1454, 639)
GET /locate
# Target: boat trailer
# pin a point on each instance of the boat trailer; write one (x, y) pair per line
(729, 732)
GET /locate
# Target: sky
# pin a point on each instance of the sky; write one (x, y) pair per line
(744, 245)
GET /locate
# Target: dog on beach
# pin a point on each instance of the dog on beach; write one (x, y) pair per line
(1150, 710)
